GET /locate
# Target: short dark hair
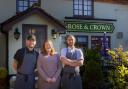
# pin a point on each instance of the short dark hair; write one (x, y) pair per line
(31, 37)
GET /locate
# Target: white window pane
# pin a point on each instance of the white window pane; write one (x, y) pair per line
(89, 3)
(89, 13)
(76, 7)
(33, 0)
(25, 8)
(80, 1)
(85, 3)
(80, 12)
(80, 7)
(25, 3)
(82, 39)
(85, 8)
(89, 8)
(85, 13)
(21, 0)
(20, 3)
(31, 3)
(20, 9)
(76, 12)
(76, 2)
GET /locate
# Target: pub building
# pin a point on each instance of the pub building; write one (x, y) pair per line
(87, 20)
(90, 20)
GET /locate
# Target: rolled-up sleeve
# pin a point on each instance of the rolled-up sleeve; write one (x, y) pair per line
(17, 55)
(80, 55)
(63, 52)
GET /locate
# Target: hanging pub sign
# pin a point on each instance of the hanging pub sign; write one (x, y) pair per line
(75, 26)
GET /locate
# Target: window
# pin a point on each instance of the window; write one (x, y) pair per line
(83, 8)
(97, 41)
(81, 42)
(25, 4)
(38, 30)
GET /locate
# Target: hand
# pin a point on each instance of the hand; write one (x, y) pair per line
(53, 79)
(63, 58)
(35, 70)
(49, 80)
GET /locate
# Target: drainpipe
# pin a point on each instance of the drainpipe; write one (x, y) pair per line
(6, 38)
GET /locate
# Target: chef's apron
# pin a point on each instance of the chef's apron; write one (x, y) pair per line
(70, 76)
(25, 75)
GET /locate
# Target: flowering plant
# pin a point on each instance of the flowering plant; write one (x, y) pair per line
(119, 75)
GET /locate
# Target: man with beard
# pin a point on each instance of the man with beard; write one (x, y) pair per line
(25, 63)
(72, 58)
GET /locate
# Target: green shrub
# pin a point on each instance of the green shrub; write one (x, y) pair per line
(119, 76)
(93, 74)
(3, 72)
(91, 54)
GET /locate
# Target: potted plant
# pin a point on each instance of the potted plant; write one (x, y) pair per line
(3, 78)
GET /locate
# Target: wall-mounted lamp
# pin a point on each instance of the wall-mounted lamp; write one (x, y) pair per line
(16, 34)
(54, 33)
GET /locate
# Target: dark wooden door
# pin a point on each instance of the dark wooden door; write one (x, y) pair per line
(40, 31)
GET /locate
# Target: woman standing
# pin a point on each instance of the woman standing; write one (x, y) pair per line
(48, 67)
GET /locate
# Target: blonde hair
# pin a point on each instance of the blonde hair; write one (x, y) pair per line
(43, 50)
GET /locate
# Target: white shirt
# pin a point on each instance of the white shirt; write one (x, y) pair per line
(78, 51)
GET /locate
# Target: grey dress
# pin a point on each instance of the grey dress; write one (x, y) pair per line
(48, 66)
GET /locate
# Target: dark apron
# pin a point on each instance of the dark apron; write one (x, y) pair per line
(25, 75)
(70, 76)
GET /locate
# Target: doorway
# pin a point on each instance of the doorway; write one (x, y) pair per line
(40, 31)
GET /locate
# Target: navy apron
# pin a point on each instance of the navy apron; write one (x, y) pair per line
(25, 75)
(70, 76)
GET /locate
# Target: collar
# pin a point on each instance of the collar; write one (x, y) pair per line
(28, 51)
(71, 49)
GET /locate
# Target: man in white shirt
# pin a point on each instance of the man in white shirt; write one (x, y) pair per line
(72, 58)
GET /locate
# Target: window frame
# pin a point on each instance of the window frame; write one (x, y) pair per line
(28, 5)
(82, 43)
(83, 15)
(99, 37)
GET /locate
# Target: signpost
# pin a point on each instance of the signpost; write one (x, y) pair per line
(89, 27)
